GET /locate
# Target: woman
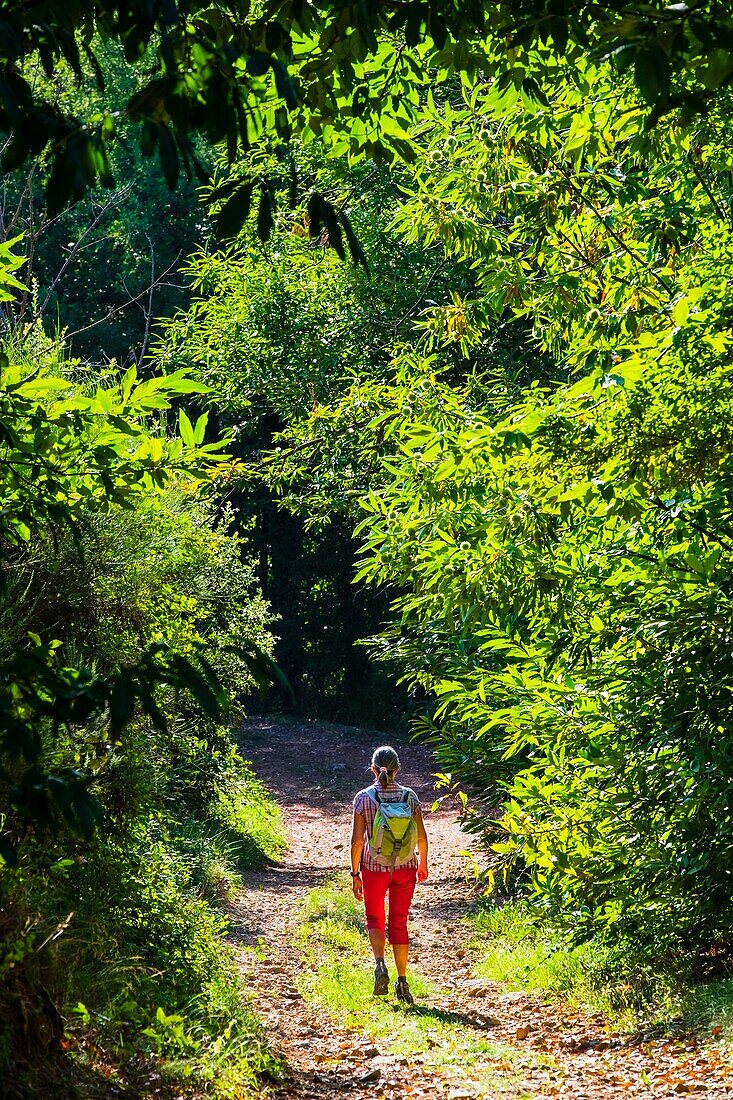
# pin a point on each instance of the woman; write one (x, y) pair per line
(375, 874)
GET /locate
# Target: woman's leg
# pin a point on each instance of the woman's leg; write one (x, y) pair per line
(401, 889)
(375, 884)
(377, 940)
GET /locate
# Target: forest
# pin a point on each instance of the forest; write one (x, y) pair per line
(367, 365)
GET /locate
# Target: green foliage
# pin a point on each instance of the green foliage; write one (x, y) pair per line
(553, 528)
(102, 269)
(154, 620)
(241, 825)
(616, 978)
(581, 564)
(560, 556)
(66, 448)
(282, 330)
(68, 455)
(122, 938)
(276, 335)
(10, 262)
(351, 74)
(569, 213)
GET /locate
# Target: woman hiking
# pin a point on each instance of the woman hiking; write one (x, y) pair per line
(387, 827)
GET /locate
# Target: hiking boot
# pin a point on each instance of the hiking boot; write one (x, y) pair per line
(402, 991)
(381, 979)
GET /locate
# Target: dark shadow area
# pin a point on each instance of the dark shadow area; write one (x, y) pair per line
(317, 766)
(447, 1016)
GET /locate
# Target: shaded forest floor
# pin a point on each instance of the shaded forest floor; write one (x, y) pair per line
(467, 1037)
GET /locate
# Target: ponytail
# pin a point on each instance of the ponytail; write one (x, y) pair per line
(385, 761)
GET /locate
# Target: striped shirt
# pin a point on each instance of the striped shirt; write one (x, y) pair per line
(365, 803)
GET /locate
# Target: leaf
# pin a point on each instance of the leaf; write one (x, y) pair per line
(333, 228)
(285, 85)
(8, 854)
(148, 138)
(652, 73)
(230, 219)
(315, 214)
(199, 432)
(357, 252)
(258, 63)
(128, 381)
(168, 154)
(264, 669)
(185, 428)
(265, 219)
(122, 702)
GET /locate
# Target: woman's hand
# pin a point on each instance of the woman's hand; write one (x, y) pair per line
(422, 870)
(358, 887)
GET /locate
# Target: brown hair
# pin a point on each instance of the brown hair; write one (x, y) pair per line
(386, 760)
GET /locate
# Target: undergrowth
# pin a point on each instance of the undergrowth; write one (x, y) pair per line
(633, 988)
(127, 936)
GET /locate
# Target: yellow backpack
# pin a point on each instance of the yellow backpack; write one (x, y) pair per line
(394, 832)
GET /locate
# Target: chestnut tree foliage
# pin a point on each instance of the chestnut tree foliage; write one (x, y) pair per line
(560, 549)
(566, 563)
(351, 72)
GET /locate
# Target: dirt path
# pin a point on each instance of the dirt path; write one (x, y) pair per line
(314, 770)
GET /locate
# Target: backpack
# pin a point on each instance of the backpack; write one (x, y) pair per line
(394, 833)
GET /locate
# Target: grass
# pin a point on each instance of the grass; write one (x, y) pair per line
(338, 976)
(632, 990)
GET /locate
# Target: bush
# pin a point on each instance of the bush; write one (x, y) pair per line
(112, 959)
(127, 948)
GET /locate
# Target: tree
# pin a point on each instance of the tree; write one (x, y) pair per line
(353, 73)
(275, 332)
(559, 557)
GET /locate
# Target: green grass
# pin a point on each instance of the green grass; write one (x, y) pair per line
(524, 957)
(247, 816)
(338, 976)
(633, 990)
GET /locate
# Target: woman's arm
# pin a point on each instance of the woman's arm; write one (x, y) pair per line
(358, 830)
(422, 846)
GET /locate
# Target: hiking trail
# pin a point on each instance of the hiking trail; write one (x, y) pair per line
(543, 1048)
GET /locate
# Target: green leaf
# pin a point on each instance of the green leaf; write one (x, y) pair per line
(258, 63)
(168, 154)
(185, 428)
(122, 702)
(652, 73)
(357, 252)
(8, 853)
(265, 218)
(233, 214)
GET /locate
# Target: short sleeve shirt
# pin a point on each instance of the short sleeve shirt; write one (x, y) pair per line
(365, 803)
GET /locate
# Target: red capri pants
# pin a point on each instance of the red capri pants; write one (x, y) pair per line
(400, 885)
